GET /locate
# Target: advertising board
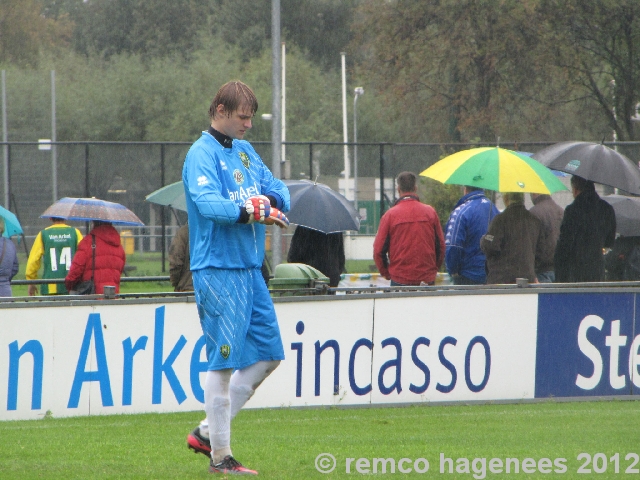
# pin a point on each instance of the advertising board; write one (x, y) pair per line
(108, 357)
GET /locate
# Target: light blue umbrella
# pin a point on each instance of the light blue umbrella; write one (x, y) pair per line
(170, 196)
(11, 224)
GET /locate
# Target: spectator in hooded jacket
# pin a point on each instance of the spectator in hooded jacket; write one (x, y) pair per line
(109, 263)
(467, 223)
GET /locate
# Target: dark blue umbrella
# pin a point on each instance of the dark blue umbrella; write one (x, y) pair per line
(317, 206)
(87, 209)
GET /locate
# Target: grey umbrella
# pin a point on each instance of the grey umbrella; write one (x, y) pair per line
(627, 214)
(317, 206)
(592, 161)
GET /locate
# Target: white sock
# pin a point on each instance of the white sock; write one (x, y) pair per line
(204, 428)
(242, 386)
(217, 406)
(244, 383)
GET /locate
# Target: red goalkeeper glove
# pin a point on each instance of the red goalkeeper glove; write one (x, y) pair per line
(258, 208)
(276, 217)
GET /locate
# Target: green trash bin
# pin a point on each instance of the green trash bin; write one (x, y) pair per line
(297, 279)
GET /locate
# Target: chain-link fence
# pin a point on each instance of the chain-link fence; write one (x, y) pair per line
(125, 172)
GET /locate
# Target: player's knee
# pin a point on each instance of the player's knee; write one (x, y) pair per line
(271, 366)
(220, 402)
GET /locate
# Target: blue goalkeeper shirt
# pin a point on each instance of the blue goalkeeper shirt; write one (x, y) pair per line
(217, 182)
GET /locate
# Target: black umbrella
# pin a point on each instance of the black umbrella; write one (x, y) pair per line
(627, 214)
(317, 206)
(592, 161)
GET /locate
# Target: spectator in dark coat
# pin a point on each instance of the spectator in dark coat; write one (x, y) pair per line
(322, 251)
(110, 259)
(550, 214)
(179, 268)
(588, 226)
(513, 242)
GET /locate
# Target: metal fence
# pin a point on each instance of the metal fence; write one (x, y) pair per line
(125, 172)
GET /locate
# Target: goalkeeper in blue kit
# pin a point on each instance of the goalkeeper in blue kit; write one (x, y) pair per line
(231, 196)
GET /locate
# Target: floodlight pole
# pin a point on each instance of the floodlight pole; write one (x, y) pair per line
(358, 91)
(345, 133)
(5, 147)
(276, 112)
(54, 156)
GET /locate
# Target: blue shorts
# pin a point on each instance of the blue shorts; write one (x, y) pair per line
(237, 318)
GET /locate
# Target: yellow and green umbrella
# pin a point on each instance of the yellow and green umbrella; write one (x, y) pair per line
(494, 168)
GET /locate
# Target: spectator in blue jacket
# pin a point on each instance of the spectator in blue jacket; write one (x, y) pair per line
(467, 224)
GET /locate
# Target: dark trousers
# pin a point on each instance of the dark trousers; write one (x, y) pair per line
(462, 280)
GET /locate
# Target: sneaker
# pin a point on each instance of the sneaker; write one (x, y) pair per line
(230, 466)
(198, 443)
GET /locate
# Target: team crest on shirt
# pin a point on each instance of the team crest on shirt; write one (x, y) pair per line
(238, 176)
(225, 350)
(245, 160)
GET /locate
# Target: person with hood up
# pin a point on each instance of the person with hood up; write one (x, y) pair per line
(109, 259)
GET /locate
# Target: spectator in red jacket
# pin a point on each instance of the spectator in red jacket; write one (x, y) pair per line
(110, 259)
(409, 246)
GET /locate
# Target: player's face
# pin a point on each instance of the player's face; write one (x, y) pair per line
(236, 124)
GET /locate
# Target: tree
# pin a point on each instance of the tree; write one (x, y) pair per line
(24, 31)
(147, 27)
(319, 28)
(57, 9)
(596, 44)
(129, 98)
(464, 61)
(471, 70)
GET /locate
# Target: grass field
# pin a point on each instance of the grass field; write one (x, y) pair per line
(284, 443)
(150, 264)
